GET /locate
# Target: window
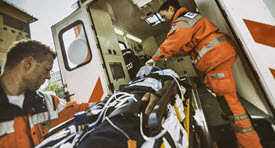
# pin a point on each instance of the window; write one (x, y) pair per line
(154, 20)
(117, 70)
(74, 45)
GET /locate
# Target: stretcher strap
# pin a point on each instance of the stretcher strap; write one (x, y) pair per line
(130, 108)
(169, 139)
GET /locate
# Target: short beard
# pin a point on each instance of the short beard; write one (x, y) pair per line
(28, 85)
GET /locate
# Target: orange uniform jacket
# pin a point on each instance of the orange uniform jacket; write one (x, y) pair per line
(192, 34)
(26, 127)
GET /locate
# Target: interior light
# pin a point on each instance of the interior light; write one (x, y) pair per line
(133, 38)
(118, 31)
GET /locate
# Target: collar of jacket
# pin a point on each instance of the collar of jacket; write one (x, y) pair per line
(33, 104)
(177, 14)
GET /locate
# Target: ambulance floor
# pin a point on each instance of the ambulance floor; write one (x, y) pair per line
(220, 129)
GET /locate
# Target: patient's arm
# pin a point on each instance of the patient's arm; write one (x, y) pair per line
(153, 101)
(153, 98)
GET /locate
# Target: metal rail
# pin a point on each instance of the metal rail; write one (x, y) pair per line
(199, 117)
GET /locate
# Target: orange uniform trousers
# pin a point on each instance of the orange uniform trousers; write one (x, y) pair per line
(225, 86)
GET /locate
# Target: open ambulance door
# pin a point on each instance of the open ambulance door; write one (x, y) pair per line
(254, 29)
(88, 73)
(254, 66)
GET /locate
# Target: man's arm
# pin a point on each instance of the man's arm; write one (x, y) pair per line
(175, 40)
(65, 110)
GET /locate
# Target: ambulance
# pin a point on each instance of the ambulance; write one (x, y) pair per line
(93, 41)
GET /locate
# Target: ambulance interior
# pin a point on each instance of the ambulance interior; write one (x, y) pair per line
(116, 22)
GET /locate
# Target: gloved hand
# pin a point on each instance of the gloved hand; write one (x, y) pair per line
(144, 71)
(150, 62)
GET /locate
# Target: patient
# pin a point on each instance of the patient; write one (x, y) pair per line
(115, 122)
(150, 88)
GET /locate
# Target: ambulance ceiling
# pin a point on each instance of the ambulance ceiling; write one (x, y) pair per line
(127, 14)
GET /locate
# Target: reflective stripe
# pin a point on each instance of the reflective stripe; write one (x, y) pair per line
(191, 22)
(238, 118)
(219, 75)
(244, 130)
(126, 53)
(50, 105)
(38, 118)
(6, 127)
(212, 44)
(61, 105)
(50, 114)
(159, 55)
(180, 25)
(195, 61)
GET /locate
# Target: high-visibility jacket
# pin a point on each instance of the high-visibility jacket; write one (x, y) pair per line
(26, 127)
(192, 34)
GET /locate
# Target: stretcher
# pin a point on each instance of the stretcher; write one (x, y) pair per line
(119, 121)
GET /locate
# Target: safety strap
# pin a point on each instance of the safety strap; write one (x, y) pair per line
(162, 77)
(6, 127)
(169, 139)
(130, 108)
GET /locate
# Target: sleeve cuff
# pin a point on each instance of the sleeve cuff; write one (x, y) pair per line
(156, 58)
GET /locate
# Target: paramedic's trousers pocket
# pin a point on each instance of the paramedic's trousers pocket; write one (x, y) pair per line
(221, 79)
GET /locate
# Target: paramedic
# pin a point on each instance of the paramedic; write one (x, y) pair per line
(214, 54)
(26, 114)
